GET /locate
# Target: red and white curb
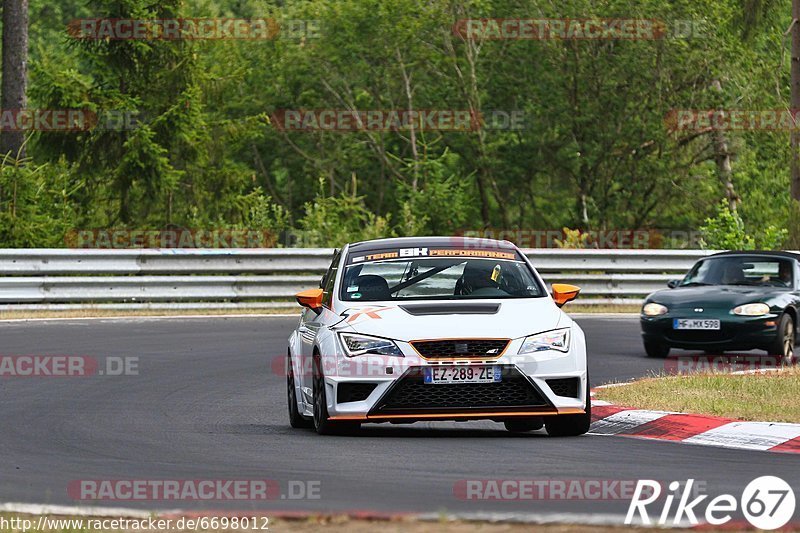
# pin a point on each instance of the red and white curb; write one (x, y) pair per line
(609, 419)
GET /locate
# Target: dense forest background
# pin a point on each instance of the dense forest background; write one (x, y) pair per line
(596, 152)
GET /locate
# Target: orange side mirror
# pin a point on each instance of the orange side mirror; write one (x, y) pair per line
(563, 293)
(311, 298)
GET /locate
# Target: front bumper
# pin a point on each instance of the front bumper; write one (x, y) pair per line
(735, 333)
(549, 383)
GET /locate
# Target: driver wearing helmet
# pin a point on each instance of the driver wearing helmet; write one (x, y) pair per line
(478, 275)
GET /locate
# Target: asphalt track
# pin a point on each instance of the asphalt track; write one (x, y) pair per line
(206, 405)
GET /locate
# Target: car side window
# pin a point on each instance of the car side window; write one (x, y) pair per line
(324, 281)
(330, 280)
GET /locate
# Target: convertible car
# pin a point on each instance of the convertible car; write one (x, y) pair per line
(437, 328)
(727, 301)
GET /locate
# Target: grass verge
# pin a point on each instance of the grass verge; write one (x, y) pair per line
(767, 397)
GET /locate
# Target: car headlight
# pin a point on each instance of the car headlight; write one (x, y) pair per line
(751, 309)
(355, 344)
(557, 339)
(654, 309)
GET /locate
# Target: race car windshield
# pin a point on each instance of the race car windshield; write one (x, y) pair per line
(741, 270)
(449, 279)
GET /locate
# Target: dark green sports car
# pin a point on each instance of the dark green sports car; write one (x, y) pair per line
(727, 301)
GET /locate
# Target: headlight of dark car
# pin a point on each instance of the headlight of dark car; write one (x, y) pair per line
(756, 309)
(654, 309)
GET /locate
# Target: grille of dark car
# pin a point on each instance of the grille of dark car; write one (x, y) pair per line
(454, 348)
(567, 387)
(354, 392)
(411, 393)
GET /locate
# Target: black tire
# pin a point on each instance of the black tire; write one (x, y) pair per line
(783, 345)
(322, 424)
(570, 425)
(296, 419)
(523, 425)
(656, 349)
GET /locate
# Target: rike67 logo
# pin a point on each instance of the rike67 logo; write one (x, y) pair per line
(767, 502)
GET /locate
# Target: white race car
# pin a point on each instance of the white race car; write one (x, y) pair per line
(437, 328)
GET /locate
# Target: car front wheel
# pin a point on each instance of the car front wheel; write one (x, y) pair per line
(656, 349)
(783, 345)
(322, 423)
(571, 425)
(296, 420)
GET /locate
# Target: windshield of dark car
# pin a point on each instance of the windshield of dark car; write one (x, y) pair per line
(741, 270)
(451, 278)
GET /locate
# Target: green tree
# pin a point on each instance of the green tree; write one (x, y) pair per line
(726, 231)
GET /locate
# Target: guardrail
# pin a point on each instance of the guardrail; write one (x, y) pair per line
(263, 278)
